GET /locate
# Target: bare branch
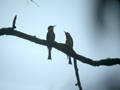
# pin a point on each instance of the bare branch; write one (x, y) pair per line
(77, 75)
(14, 22)
(61, 47)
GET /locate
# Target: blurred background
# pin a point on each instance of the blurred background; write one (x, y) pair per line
(94, 26)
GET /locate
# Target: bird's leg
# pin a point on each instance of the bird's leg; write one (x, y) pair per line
(49, 53)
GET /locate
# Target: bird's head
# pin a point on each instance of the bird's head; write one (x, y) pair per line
(51, 27)
(67, 34)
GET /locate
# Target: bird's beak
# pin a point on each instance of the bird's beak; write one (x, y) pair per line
(65, 33)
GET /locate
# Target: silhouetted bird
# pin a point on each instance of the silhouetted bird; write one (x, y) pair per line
(69, 42)
(50, 38)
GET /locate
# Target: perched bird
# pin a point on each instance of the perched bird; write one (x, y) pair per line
(50, 38)
(69, 42)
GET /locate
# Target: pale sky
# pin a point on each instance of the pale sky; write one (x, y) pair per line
(24, 64)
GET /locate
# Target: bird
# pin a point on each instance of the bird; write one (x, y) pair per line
(50, 38)
(69, 42)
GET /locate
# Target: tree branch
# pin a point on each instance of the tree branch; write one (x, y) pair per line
(61, 47)
(14, 22)
(77, 75)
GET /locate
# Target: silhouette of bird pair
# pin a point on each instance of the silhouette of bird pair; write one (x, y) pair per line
(51, 38)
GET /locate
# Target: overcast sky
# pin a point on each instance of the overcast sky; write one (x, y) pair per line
(24, 64)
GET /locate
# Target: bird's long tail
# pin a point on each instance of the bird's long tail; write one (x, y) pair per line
(49, 53)
(70, 62)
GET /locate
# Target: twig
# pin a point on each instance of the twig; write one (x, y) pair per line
(14, 22)
(77, 75)
(34, 3)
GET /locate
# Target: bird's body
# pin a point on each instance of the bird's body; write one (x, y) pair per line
(50, 38)
(69, 42)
